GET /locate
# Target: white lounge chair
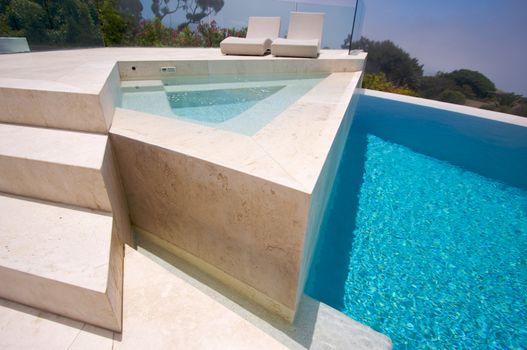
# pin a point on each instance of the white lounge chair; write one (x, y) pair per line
(303, 36)
(261, 32)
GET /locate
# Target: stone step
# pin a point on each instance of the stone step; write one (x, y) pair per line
(53, 165)
(61, 259)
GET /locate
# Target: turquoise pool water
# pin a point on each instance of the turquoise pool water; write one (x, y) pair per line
(425, 235)
(216, 106)
(238, 103)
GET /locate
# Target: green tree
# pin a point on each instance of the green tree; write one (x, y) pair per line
(27, 18)
(113, 25)
(47, 22)
(199, 9)
(195, 10)
(154, 33)
(120, 21)
(82, 23)
(386, 57)
(479, 84)
(132, 8)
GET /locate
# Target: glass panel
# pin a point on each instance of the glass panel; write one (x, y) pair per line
(49, 25)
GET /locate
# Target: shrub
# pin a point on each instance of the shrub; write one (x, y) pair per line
(508, 99)
(187, 38)
(240, 33)
(452, 96)
(380, 83)
(154, 33)
(433, 86)
(211, 34)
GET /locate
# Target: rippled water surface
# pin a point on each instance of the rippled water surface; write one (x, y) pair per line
(420, 248)
(238, 103)
(217, 106)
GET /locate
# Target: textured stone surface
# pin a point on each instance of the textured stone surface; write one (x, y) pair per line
(166, 308)
(76, 89)
(61, 259)
(250, 228)
(114, 189)
(240, 203)
(54, 165)
(67, 167)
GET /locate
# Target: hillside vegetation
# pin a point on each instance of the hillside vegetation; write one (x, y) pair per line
(389, 68)
(90, 23)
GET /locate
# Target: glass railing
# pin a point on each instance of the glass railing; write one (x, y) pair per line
(49, 25)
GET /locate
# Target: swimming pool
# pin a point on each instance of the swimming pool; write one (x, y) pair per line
(425, 235)
(238, 103)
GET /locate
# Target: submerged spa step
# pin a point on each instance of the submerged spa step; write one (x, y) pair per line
(54, 165)
(61, 259)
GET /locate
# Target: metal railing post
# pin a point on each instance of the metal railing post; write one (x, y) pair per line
(353, 25)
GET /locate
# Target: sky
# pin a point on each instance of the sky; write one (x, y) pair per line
(489, 36)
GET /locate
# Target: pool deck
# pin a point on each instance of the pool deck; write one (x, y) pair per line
(169, 306)
(238, 205)
(86, 70)
(88, 73)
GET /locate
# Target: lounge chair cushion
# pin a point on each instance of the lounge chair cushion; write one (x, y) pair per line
(261, 31)
(295, 48)
(245, 46)
(303, 36)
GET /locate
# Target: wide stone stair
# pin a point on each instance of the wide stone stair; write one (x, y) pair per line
(63, 223)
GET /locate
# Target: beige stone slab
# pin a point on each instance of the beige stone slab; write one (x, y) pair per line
(55, 109)
(89, 76)
(161, 298)
(316, 326)
(21, 327)
(162, 311)
(92, 338)
(53, 146)
(110, 96)
(87, 70)
(115, 192)
(54, 165)
(250, 293)
(290, 150)
(184, 177)
(40, 85)
(61, 259)
(246, 226)
(142, 83)
(151, 69)
(78, 89)
(300, 138)
(228, 149)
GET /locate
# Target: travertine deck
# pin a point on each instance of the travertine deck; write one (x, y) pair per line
(247, 205)
(87, 70)
(246, 199)
(164, 308)
(61, 259)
